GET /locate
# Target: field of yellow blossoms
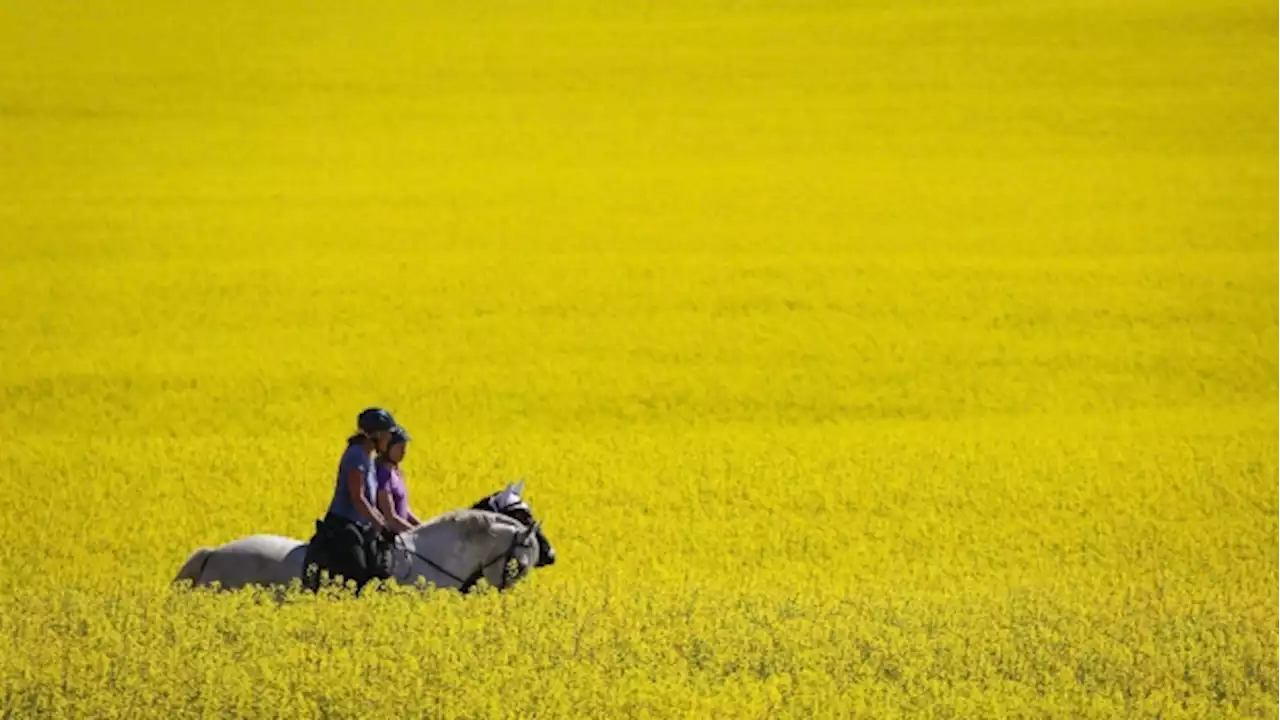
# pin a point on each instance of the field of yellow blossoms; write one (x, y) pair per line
(863, 359)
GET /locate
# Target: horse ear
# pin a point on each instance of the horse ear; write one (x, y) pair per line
(518, 488)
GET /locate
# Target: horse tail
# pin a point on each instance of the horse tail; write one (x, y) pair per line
(193, 568)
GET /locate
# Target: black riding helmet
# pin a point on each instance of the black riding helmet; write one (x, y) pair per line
(375, 419)
(399, 436)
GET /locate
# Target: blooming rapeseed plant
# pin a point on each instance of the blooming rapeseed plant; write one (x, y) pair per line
(862, 361)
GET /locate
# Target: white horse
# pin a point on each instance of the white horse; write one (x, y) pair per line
(454, 550)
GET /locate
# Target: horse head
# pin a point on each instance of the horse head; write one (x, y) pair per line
(510, 501)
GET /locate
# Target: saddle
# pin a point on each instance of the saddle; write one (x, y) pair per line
(317, 556)
(330, 543)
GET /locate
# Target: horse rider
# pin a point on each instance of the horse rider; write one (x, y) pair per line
(393, 494)
(348, 541)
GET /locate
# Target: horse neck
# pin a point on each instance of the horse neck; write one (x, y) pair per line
(440, 542)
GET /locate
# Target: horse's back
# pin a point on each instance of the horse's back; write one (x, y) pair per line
(256, 560)
(276, 547)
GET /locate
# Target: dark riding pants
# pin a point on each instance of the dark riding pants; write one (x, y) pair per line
(344, 548)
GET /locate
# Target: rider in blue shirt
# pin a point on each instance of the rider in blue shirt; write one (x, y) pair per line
(353, 521)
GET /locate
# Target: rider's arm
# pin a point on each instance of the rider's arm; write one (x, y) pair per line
(394, 522)
(355, 488)
(413, 519)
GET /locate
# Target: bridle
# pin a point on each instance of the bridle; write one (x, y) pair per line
(468, 583)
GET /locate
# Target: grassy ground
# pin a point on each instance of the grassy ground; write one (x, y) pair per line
(863, 361)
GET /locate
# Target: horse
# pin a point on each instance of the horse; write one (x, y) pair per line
(509, 501)
(455, 550)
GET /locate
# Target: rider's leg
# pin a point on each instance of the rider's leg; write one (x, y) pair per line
(347, 557)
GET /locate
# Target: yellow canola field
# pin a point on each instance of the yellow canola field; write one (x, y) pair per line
(864, 359)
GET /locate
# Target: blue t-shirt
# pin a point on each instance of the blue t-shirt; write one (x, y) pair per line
(355, 457)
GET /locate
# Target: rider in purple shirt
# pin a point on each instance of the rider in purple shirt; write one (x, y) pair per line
(393, 496)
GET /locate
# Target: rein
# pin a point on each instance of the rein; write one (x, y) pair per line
(468, 583)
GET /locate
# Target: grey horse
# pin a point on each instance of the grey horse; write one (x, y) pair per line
(454, 550)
